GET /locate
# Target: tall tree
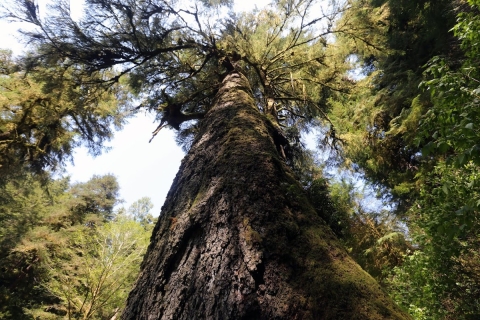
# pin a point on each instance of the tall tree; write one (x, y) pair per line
(237, 237)
(236, 246)
(24, 205)
(99, 195)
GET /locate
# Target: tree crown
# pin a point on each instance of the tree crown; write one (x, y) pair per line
(174, 55)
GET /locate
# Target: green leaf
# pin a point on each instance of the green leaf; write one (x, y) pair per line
(471, 184)
(427, 149)
(442, 146)
(440, 229)
(445, 189)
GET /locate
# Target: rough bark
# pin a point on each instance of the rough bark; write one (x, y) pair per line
(237, 239)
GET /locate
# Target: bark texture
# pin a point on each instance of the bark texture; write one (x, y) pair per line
(237, 238)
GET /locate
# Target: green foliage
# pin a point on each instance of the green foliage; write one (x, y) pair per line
(53, 236)
(46, 113)
(140, 211)
(455, 91)
(98, 196)
(449, 204)
(24, 206)
(379, 121)
(413, 287)
(445, 225)
(414, 131)
(94, 274)
(445, 217)
(428, 290)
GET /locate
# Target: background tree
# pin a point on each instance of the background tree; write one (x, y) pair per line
(43, 119)
(24, 206)
(413, 134)
(140, 211)
(98, 196)
(46, 240)
(446, 213)
(379, 121)
(93, 276)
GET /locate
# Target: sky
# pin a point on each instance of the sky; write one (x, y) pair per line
(142, 169)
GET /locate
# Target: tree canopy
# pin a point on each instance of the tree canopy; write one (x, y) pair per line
(173, 56)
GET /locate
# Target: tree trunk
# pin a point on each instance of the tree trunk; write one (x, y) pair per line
(237, 238)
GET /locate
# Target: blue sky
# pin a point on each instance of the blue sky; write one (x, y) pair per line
(142, 169)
